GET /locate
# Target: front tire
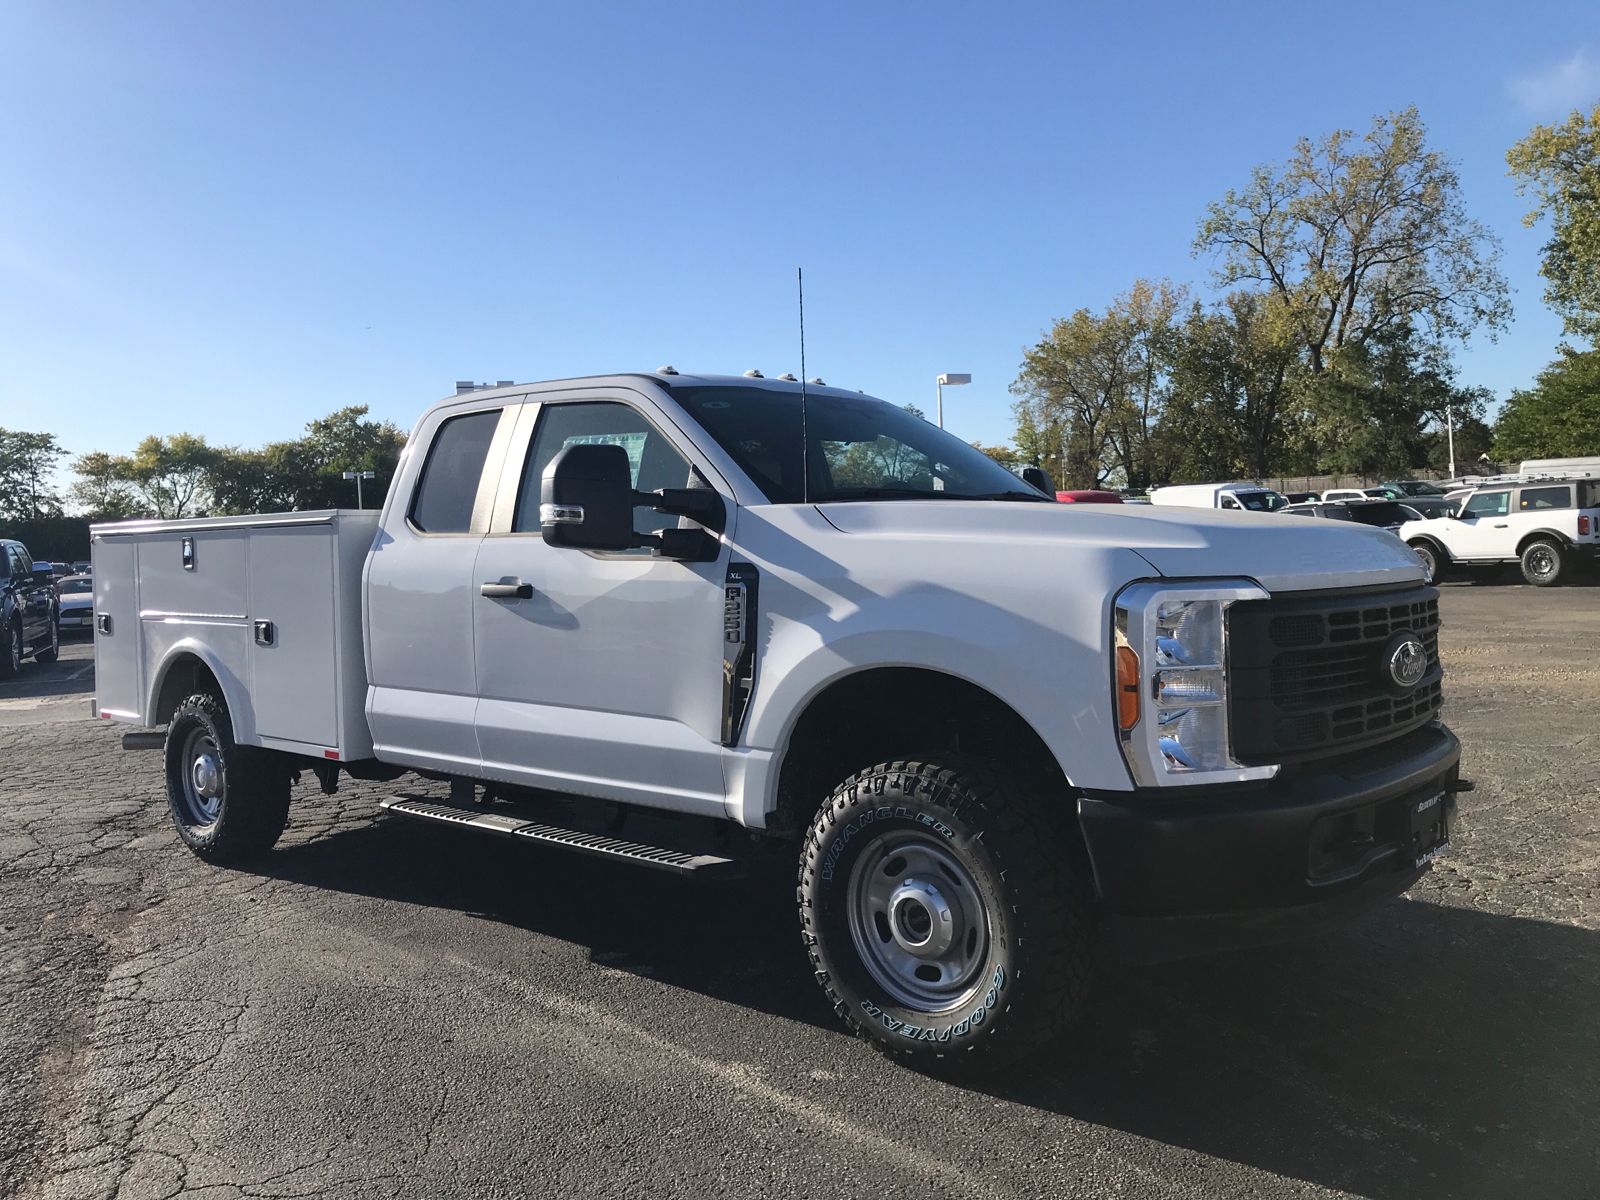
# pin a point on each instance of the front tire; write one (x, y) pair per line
(1543, 563)
(11, 651)
(945, 909)
(1430, 559)
(229, 802)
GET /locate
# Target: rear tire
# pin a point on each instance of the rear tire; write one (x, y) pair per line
(946, 910)
(1430, 559)
(1544, 563)
(229, 802)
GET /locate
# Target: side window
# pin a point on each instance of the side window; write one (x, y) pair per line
(654, 460)
(449, 484)
(1532, 499)
(1488, 504)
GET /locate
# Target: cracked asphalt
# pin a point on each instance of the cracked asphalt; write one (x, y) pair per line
(378, 1009)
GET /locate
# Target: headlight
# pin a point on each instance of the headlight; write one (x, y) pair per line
(1169, 669)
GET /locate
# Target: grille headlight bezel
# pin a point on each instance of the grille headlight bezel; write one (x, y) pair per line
(1176, 633)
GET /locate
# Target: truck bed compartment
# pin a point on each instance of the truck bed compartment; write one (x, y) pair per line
(271, 604)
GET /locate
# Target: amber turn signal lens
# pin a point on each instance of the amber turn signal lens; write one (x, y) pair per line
(1127, 687)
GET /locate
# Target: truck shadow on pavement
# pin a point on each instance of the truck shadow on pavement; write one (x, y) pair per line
(1421, 1051)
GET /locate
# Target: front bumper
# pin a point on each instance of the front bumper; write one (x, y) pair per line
(1217, 868)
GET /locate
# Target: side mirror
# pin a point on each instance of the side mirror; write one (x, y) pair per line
(1036, 477)
(44, 578)
(586, 502)
(586, 499)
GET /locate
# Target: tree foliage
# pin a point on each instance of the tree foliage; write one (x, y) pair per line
(27, 467)
(1356, 238)
(1089, 393)
(1560, 165)
(1559, 417)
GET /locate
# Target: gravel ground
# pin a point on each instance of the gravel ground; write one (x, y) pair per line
(381, 1009)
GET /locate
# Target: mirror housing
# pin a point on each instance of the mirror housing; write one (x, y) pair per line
(586, 499)
(1037, 477)
(44, 578)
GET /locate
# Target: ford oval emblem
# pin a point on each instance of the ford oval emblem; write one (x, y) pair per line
(1405, 661)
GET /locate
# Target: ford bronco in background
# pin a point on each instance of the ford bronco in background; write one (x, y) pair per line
(681, 620)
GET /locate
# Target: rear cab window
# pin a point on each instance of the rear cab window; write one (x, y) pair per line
(448, 488)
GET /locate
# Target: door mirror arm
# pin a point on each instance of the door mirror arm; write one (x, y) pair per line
(703, 505)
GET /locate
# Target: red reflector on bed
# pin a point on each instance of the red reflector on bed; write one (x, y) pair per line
(330, 754)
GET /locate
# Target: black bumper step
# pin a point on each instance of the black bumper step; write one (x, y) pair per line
(701, 866)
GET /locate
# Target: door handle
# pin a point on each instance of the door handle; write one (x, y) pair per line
(507, 591)
(1499, 526)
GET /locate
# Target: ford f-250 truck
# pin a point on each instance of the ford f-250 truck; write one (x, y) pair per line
(990, 724)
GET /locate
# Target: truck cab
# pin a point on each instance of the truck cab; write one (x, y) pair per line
(28, 624)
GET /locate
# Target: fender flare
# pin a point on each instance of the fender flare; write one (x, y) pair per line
(1543, 535)
(241, 713)
(1439, 548)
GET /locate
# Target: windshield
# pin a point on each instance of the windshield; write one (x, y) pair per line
(1260, 501)
(860, 448)
(72, 586)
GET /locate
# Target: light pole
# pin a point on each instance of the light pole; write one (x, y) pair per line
(1450, 432)
(358, 476)
(952, 380)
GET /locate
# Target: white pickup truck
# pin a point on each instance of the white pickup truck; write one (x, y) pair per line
(1546, 525)
(987, 723)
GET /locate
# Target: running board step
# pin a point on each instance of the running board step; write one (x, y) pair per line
(701, 866)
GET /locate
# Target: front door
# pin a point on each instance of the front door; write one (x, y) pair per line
(606, 678)
(1483, 529)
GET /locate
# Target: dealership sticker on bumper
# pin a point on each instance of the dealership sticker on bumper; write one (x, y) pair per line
(1430, 829)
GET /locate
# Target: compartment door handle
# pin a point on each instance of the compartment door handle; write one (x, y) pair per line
(507, 591)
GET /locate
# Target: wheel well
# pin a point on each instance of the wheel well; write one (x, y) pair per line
(1541, 535)
(888, 712)
(186, 676)
(1439, 550)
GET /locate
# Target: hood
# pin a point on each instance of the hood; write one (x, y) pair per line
(78, 600)
(1281, 553)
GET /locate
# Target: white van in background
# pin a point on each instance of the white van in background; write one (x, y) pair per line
(1250, 496)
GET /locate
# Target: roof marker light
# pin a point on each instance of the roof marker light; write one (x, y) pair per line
(754, 375)
(666, 370)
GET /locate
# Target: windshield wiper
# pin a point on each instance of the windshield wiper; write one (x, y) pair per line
(1010, 496)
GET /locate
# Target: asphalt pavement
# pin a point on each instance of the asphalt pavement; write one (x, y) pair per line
(382, 1009)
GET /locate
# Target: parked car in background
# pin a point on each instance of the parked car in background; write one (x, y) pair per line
(1302, 497)
(76, 603)
(1433, 506)
(1381, 514)
(83, 567)
(1339, 494)
(1414, 487)
(1544, 525)
(27, 609)
(1088, 496)
(1250, 496)
(60, 570)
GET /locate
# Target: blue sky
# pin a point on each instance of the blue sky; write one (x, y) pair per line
(232, 218)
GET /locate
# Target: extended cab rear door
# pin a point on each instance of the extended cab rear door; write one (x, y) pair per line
(422, 694)
(604, 678)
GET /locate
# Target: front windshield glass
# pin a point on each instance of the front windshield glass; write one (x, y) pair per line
(1261, 501)
(860, 448)
(72, 586)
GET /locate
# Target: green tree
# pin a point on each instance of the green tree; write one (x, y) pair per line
(101, 492)
(1004, 455)
(1369, 413)
(308, 473)
(27, 465)
(1559, 417)
(1357, 238)
(169, 473)
(1231, 376)
(1090, 392)
(1560, 164)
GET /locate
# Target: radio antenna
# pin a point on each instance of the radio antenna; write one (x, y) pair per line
(805, 439)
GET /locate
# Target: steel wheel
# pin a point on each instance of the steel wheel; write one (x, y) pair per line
(918, 922)
(203, 786)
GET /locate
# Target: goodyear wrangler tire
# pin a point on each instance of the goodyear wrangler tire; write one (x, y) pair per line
(945, 910)
(229, 802)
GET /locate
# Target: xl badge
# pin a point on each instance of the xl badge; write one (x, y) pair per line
(1405, 661)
